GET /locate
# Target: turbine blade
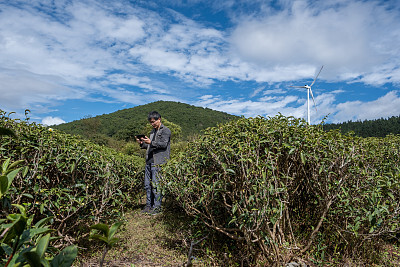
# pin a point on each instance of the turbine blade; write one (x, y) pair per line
(317, 75)
(298, 86)
(313, 99)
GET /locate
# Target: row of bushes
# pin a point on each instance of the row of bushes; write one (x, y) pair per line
(76, 181)
(280, 188)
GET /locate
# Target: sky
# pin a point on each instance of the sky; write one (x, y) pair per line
(69, 59)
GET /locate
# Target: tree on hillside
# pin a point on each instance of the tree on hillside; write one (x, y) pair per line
(124, 124)
(368, 128)
(91, 125)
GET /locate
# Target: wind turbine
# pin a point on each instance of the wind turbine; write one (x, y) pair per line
(309, 91)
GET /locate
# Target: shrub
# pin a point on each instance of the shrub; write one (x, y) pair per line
(71, 179)
(21, 242)
(275, 185)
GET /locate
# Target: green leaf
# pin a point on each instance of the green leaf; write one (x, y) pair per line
(7, 249)
(29, 234)
(25, 171)
(112, 242)
(72, 168)
(370, 217)
(21, 208)
(99, 237)
(234, 208)
(101, 227)
(231, 221)
(41, 208)
(251, 198)
(65, 258)
(11, 175)
(5, 165)
(16, 163)
(303, 159)
(3, 185)
(18, 224)
(45, 262)
(28, 195)
(113, 229)
(42, 245)
(230, 170)
(32, 258)
(321, 169)
(43, 221)
(8, 132)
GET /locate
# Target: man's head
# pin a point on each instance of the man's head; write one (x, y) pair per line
(155, 119)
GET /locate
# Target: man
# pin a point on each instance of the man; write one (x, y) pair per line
(158, 150)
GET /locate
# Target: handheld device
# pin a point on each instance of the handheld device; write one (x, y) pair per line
(140, 136)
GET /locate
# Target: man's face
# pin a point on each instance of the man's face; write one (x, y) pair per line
(155, 123)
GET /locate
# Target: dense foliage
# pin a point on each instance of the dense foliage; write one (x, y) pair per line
(280, 188)
(124, 124)
(368, 128)
(64, 176)
(21, 242)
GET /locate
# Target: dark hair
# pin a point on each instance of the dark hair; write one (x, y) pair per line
(153, 115)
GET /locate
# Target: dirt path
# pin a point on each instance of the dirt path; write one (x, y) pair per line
(146, 240)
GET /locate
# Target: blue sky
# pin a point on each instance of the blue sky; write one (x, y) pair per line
(67, 59)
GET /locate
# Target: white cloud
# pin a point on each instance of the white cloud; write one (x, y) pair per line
(348, 37)
(52, 121)
(22, 89)
(120, 52)
(268, 106)
(189, 50)
(274, 91)
(47, 58)
(257, 91)
(138, 81)
(385, 106)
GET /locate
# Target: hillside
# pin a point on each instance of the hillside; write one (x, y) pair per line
(124, 124)
(369, 128)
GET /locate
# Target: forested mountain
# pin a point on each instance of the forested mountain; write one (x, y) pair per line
(124, 124)
(369, 128)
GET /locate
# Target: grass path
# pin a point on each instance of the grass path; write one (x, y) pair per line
(147, 240)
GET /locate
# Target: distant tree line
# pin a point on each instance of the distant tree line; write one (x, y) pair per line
(368, 128)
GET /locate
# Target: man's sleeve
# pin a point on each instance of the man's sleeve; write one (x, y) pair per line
(162, 140)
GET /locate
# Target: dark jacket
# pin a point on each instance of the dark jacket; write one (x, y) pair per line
(160, 145)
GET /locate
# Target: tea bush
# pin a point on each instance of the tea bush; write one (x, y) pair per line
(20, 242)
(74, 180)
(278, 185)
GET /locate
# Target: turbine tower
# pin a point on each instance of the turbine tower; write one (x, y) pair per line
(309, 91)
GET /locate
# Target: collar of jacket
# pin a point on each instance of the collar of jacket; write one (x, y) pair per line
(161, 126)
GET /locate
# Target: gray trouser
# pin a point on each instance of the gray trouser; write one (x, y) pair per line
(151, 185)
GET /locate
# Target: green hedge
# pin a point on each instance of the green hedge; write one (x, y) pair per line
(282, 188)
(71, 179)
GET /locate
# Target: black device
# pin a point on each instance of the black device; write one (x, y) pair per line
(140, 136)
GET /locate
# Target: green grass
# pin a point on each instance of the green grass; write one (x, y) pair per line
(146, 240)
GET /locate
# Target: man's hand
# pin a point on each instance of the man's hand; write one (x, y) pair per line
(143, 139)
(146, 140)
(138, 141)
